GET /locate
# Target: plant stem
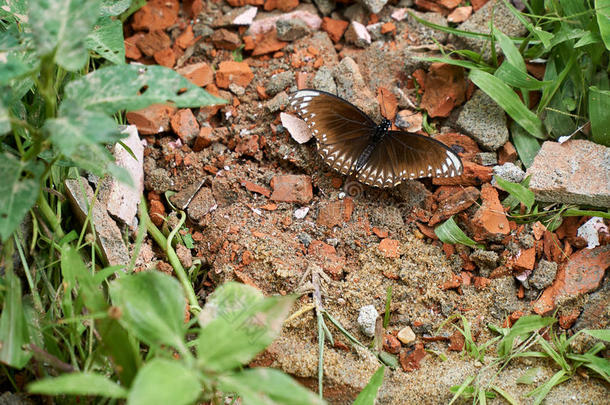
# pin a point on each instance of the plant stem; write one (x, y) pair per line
(49, 216)
(165, 243)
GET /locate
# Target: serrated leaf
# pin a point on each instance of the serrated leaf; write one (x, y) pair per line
(266, 386)
(237, 324)
(59, 27)
(509, 101)
(369, 393)
(19, 189)
(599, 106)
(113, 7)
(523, 194)
(450, 232)
(107, 40)
(163, 381)
(13, 327)
(602, 11)
(152, 307)
(133, 87)
(78, 384)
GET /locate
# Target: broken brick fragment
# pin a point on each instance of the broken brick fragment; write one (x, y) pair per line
(525, 259)
(153, 119)
(391, 344)
(267, 43)
(185, 125)
(153, 41)
(490, 221)
(389, 247)
(233, 72)
(292, 188)
(186, 39)
(165, 57)
(410, 358)
(156, 15)
(255, 188)
(224, 39)
(460, 14)
(200, 74)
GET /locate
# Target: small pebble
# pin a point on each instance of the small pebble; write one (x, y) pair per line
(367, 319)
(406, 335)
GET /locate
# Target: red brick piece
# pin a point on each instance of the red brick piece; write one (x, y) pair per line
(165, 57)
(233, 72)
(389, 247)
(154, 41)
(200, 74)
(334, 28)
(185, 125)
(283, 5)
(156, 15)
(490, 220)
(292, 188)
(153, 119)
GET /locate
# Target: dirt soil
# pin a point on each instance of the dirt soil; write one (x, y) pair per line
(266, 211)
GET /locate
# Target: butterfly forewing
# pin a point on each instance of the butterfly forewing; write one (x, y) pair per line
(341, 129)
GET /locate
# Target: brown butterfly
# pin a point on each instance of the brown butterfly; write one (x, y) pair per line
(350, 142)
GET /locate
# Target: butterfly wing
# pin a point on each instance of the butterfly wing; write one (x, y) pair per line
(342, 130)
(403, 155)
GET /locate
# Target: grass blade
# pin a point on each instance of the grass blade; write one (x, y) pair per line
(369, 393)
(449, 232)
(509, 398)
(599, 105)
(602, 9)
(523, 194)
(527, 146)
(509, 101)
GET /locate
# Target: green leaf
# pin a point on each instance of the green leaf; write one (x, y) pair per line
(450, 30)
(600, 365)
(76, 129)
(19, 189)
(73, 268)
(588, 39)
(449, 232)
(602, 334)
(266, 386)
(15, 10)
(526, 145)
(133, 87)
(602, 10)
(510, 51)
(457, 62)
(12, 68)
(523, 326)
(113, 7)
(599, 106)
(523, 194)
(5, 123)
(13, 327)
(514, 77)
(463, 389)
(530, 376)
(107, 40)
(163, 381)
(509, 398)
(152, 307)
(509, 101)
(545, 388)
(78, 384)
(237, 324)
(369, 393)
(59, 28)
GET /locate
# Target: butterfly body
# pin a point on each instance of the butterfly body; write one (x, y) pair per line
(350, 142)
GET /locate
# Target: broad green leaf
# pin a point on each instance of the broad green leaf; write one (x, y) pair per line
(5, 123)
(107, 40)
(60, 27)
(450, 232)
(237, 324)
(523, 194)
(9, 38)
(602, 334)
(369, 393)
(78, 384)
(163, 381)
(15, 10)
(514, 77)
(13, 327)
(509, 101)
(133, 87)
(602, 10)
(526, 145)
(267, 386)
(76, 128)
(113, 7)
(12, 68)
(530, 376)
(19, 189)
(523, 326)
(599, 113)
(588, 39)
(152, 307)
(598, 364)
